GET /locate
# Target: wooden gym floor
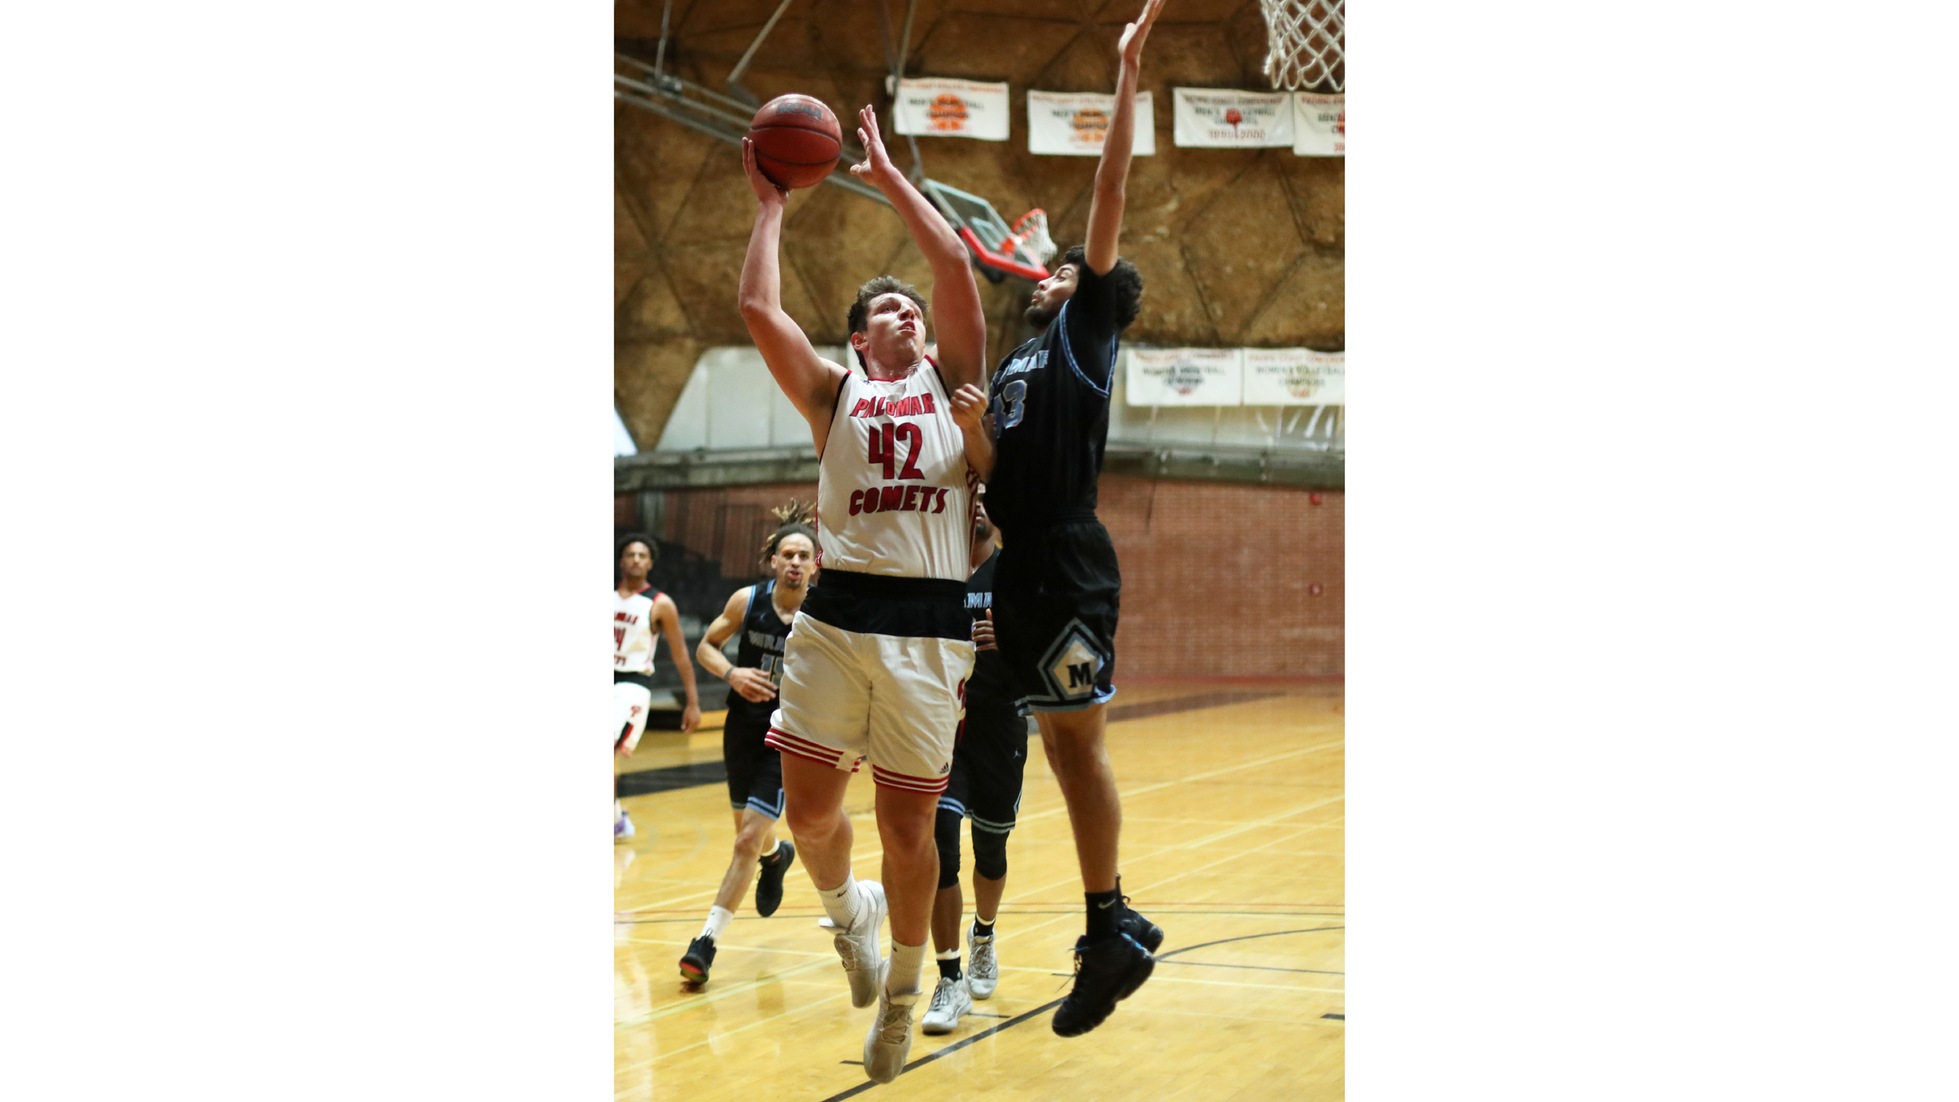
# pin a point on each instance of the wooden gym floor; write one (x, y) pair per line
(1233, 804)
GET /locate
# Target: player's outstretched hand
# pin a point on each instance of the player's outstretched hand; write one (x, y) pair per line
(1131, 44)
(765, 188)
(690, 718)
(983, 633)
(968, 406)
(876, 166)
(753, 685)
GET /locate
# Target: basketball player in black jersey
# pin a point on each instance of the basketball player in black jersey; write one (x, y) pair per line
(761, 614)
(1057, 587)
(987, 769)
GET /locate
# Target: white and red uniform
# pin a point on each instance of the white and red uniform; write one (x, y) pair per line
(633, 643)
(877, 658)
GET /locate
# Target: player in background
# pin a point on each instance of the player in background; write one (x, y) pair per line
(880, 651)
(1057, 587)
(638, 611)
(759, 617)
(987, 769)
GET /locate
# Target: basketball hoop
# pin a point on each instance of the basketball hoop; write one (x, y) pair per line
(1308, 44)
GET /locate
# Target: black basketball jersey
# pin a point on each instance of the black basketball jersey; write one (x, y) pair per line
(1050, 404)
(989, 676)
(762, 636)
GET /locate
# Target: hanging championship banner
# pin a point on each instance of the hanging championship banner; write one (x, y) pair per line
(1295, 377)
(947, 108)
(1184, 377)
(1319, 125)
(1225, 118)
(1075, 123)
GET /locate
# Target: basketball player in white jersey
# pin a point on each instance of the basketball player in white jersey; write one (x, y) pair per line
(638, 610)
(877, 658)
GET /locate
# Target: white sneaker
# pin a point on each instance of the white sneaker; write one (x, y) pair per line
(950, 1002)
(983, 971)
(889, 1041)
(858, 946)
(622, 828)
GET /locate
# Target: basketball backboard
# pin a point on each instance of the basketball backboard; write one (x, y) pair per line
(997, 249)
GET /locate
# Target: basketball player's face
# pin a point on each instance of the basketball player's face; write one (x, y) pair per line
(982, 524)
(896, 328)
(793, 562)
(1048, 296)
(635, 561)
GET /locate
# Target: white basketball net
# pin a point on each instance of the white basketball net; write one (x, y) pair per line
(1031, 234)
(1308, 43)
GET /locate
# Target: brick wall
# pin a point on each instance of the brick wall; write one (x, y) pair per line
(1218, 578)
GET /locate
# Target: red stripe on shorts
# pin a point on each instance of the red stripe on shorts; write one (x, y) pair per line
(804, 748)
(933, 785)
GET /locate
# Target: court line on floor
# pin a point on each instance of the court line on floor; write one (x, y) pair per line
(1045, 1007)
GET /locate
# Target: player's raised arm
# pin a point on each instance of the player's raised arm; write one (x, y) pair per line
(957, 317)
(809, 380)
(667, 615)
(1112, 172)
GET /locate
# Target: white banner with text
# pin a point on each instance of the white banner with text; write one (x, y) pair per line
(945, 108)
(1295, 377)
(1075, 123)
(1319, 125)
(1184, 377)
(1225, 118)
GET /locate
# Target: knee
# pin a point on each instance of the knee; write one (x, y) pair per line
(990, 854)
(748, 840)
(804, 822)
(947, 836)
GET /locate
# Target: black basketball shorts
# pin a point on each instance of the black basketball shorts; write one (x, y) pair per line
(988, 764)
(1056, 594)
(754, 767)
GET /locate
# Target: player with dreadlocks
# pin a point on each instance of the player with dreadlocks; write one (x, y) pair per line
(761, 613)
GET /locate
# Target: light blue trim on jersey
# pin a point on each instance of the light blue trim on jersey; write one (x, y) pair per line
(1067, 353)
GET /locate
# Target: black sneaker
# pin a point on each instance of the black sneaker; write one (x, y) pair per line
(1147, 934)
(693, 966)
(768, 883)
(1107, 971)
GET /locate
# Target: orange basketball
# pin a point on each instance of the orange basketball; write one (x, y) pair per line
(797, 140)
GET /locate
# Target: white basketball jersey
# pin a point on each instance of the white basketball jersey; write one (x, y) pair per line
(893, 491)
(632, 631)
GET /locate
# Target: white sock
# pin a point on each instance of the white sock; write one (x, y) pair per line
(773, 850)
(906, 960)
(717, 921)
(949, 954)
(840, 902)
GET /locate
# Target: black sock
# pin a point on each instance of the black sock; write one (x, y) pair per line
(1103, 907)
(982, 928)
(949, 969)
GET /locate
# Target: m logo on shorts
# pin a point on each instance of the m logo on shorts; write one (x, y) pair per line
(1072, 663)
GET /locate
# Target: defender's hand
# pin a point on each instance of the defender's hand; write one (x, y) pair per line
(753, 685)
(1131, 45)
(690, 718)
(983, 633)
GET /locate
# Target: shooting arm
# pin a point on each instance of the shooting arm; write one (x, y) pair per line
(809, 381)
